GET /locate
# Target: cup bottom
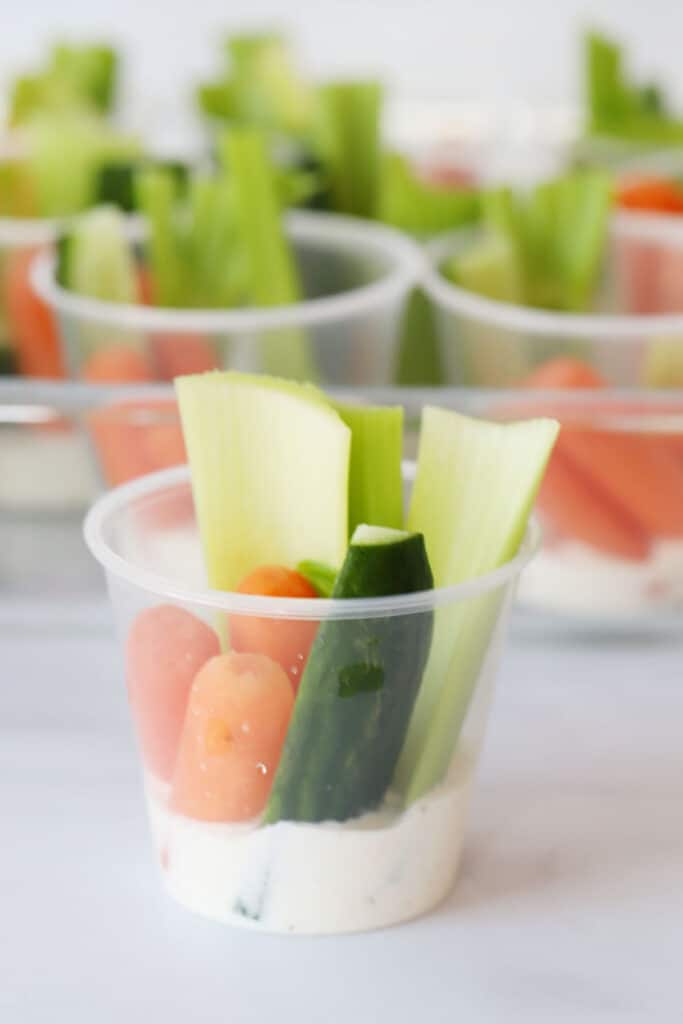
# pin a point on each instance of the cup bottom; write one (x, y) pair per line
(293, 878)
(572, 578)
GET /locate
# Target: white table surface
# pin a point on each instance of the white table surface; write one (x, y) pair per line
(569, 905)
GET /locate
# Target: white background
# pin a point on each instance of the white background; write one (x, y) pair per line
(483, 50)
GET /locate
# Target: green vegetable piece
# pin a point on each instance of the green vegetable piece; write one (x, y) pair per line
(260, 86)
(96, 258)
(272, 277)
(17, 193)
(619, 108)
(63, 157)
(490, 268)
(348, 140)
(375, 479)
(270, 467)
(319, 575)
(270, 89)
(418, 207)
(543, 249)
(79, 79)
(157, 192)
(116, 180)
(358, 689)
(420, 362)
(475, 486)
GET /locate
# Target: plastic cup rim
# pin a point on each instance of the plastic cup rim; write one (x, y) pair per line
(405, 266)
(114, 501)
(614, 327)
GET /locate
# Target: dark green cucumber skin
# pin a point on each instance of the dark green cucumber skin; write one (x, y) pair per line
(356, 694)
(115, 182)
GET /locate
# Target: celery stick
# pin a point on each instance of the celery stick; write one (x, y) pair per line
(156, 192)
(489, 268)
(544, 249)
(92, 69)
(99, 260)
(17, 195)
(486, 351)
(63, 156)
(621, 108)
(418, 207)
(74, 78)
(259, 85)
(375, 479)
(419, 362)
(583, 214)
(271, 274)
(273, 278)
(349, 142)
(214, 265)
(270, 466)
(269, 88)
(476, 483)
(321, 576)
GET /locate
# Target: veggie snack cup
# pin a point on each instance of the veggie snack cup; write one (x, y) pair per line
(631, 336)
(611, 502)
(356, 276)
(252, 822)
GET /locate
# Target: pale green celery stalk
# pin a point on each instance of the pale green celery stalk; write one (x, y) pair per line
(75, 78)
(584, 203)
(620, 108)
(319, 575)
(482, 353)
(214, 264)
(17, 198)
(96, 260)
(605, 93)
(100, 262)
(375, 478)
(63, 154)
(270, 463)
(475, 486)
(91, 69)
(297, 187)
(419, 362)
(217, 99)
(271, 273)
(543, 270)
(156, 192)
(558, 234)
(269, 89)
(349, 144)
(416, 206)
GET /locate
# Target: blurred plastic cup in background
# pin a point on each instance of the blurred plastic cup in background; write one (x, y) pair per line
(211, 726)
(612, 499)
(611, 504)
(496, 344)
(356, 276)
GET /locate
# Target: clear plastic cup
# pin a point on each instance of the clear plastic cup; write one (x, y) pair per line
(633, 338)
(356, 276)
(611, 507)
(28, 334)
(211, 726)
